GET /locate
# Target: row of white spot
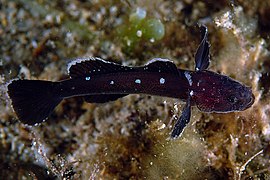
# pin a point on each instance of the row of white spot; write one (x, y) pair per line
(137, 81)
(161, 81)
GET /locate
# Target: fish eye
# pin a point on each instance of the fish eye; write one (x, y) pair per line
(232, 99)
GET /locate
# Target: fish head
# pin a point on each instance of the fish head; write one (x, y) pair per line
(240, 98)
(218, 93)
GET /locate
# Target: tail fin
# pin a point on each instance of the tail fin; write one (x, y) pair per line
(32, 100)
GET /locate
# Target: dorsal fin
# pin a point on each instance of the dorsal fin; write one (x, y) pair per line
(161, 65)
(93, 66)
(202, 57)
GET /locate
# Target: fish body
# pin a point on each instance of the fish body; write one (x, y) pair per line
(100, 81)
(132, 80)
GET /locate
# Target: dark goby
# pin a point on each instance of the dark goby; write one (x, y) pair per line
(99, 81)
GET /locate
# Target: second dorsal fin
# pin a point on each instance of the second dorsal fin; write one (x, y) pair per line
(161, 65)
(93, 66)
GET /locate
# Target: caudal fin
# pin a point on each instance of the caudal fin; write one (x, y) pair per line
(32, 100)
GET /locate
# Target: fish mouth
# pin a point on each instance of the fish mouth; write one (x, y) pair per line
(251, 101)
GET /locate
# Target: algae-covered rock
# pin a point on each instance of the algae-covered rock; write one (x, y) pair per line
(141, 28)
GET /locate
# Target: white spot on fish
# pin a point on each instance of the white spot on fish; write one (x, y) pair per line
(191, 93)
(138, 81)
(188, 76)
(112, 82)
(198, 83)
(72, 87)
(161, 80)
(87, 78)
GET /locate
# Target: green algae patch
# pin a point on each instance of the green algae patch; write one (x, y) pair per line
(139, 29)
(153, 30)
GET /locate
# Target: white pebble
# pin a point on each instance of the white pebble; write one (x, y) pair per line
(139, 33)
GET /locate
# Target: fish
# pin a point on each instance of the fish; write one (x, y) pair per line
(100, 81)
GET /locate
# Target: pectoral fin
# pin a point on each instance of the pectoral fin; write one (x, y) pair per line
(182, 122)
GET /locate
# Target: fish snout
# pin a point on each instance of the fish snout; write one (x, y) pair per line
(251, 100)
